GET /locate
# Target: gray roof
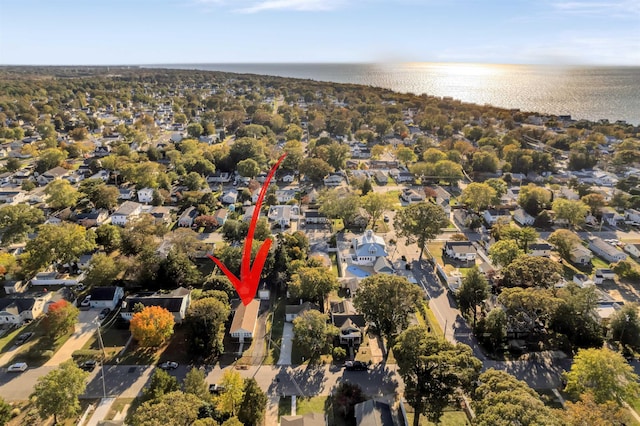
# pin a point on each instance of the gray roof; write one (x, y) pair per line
(127, 208)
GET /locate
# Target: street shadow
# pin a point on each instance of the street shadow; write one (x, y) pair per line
(307, 382)
(118, 379)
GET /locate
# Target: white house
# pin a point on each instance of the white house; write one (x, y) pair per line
(230, 197)
(55, 278)
(13, 197)
(288, 178)
(244, 321)
(460, 250)
(102, 175)
(633, 249)
(540, 249)
(368, 248)
(51, 175)
(412, 196)
(632, 217)
(219, 177)
(127, 211)
(606, 251)
(333, 180)
(177, 302)
(187, 217)
(106, 297)
(145, 195)
(126, 193)
(283, 215)
(580, 255)
(603, 275)
(523, 218)
(492, 216)
(17, 311)
(292, 312)
(285, 195)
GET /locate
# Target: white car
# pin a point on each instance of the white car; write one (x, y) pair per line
(18, 367)
(86, 302)
(169, 365)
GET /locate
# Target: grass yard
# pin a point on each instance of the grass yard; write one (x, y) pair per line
(39, 349)
(449, 418)
(274, 325)
(314, 404)
(334, 264)
(284, 406)
(599, 263)
(337, 225)
(6, 342)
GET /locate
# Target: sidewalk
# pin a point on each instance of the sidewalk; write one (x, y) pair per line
(100, 412)
(85, 329)
(286, 345)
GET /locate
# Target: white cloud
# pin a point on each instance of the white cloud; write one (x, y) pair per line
(618, 8)
(254, 6)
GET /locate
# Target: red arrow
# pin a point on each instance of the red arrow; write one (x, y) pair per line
(247, 284)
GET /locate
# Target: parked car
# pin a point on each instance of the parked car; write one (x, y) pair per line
(18, 367)
(355, 366)
(216, 389)
(386, 219)
(89, 365)
(86, 302)
(80, 287)
(169, 365)
(23, 338)
(104, 313)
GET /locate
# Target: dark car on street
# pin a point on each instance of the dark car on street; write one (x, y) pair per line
(89, 365)
(23, 338)
(355, 366)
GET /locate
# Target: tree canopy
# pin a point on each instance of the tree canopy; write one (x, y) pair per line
(420, 223)
(152, 326)
(57, 392)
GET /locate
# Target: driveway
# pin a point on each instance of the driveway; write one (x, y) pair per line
(85, 328)
(286, 345)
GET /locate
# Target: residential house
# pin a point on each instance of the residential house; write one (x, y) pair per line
(55, 278)
(288, 178)
(187, 217)
(13, 196)
(523, 218)
(51, 175)
(582, 280)
(612, 218)
(606, 251)
(162, 214)
(103, 175)
(412, 196)
(603, 275)
(230, 197)
(283, 215)
(633, 249)
(401, 176)
(580, 255)
(219, 177)
(292, 312)
(373, 413)
(632, 216)
(12, 287)
(244, 321)
(350, 323)
(248, 213)
(333, 180)
(127, 211)
(569, 194)
(285, 195)
(368, 248)
(493, 216)
(443, 199)
(145, 195)
(221, 216)
(312, 217)
(92, 218)
(380, 177)
(126, 193)
(540, 249)
(311, 419)
(106, 297)
(17, 311)
(177, 302)
(463, 251)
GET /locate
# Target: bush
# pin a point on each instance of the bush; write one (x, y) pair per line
(86, 354)
(339, 353)
(15, 412)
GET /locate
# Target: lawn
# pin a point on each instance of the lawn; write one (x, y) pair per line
(284, 406)
(275, 323)
(6, 342)
(449, 418)
(337, 225)
(314, 404)
(599, 263)
(431, 320)
(40, 348)
(334, 263)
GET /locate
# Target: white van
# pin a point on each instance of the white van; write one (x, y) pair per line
(18, 367)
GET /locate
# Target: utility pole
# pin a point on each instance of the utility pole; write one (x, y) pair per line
(104, 387)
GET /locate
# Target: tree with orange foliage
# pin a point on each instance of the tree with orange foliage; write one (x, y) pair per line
(152, 326)
(61, 318)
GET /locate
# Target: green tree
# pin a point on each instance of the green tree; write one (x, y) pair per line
(193, 181)
(294, 132)
(433, 371)
(587, 411)
(478, 196)
(60, 194)
(61, 318)
(109, 236)
(102, 271)
(484, 161)
(604, 373)
(346, 396)
(232, 421)
(313, 284)
(387, 300)
(177, 270)
(502, 400)
(56, 394)
(195, 130)
(625, 325)
(473, 291)
(504, 252)
(63, 243)
(161, 383)
(230, 400)
(420, 223)
(206, 319)
(406, 155)
(13, 164)
(50, 158)
(530, 271)
(572, 211)
(313, 332)
(336, 204)
(315, 169)
(337, 155)
(195, 383)
(564, 241)
(248, 168)
(18, 221)
(367, 187)
(495, 325)
(173, 408)
(106, 197)
(500, 187)
(5, 412)
(526, 236)
(594, 201)
(533, 199)
(253, 405)
(376, 203)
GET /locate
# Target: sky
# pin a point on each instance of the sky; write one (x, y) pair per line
(144, 32)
